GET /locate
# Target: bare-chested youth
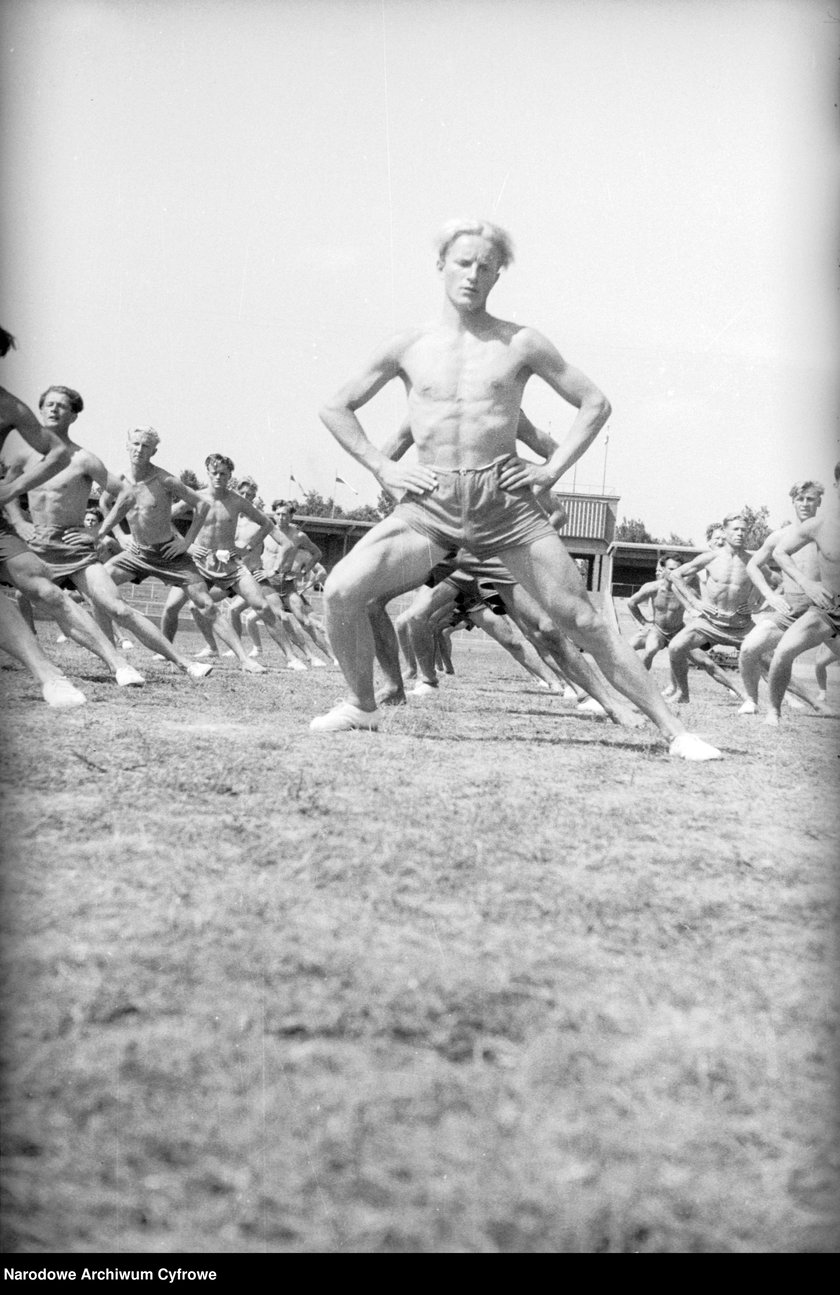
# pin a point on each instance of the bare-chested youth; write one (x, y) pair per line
(465, 377)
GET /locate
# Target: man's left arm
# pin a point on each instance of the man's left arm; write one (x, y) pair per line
(544, 360)
(795, 538)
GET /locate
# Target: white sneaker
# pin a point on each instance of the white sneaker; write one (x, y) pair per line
(62, 694)
(592, 707)
(128, 677)
(569, 693)
(317, 664)
(126, 645)
(295, 664)
(255, 651)
(423, 689)
(688, 746)
(62, 638)
(344, 717)
(205, 652)
(198, 670)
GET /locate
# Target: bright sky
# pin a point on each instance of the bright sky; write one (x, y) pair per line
(215, 211)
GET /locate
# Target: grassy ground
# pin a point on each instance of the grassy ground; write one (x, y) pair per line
(501, 978)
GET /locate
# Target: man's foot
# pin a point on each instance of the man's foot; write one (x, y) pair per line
(794, 702)
(126, 645)
(62, 694)
(317, 664)
(749, 708)
(391, 697)
(205, 653)
(773, 718)
(424, 689)
(230, 652)
(569, 693)
(62, 638)
(294, 664)
(127, 677)
(249, 666)
(344, 718)
(255, 651)
(688, 746)
(678, 699)
(592, 707)
(198, 669)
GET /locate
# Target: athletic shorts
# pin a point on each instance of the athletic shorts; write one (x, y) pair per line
(11, 545)
(144, 561)
(63, 559)
(281, 584)
(664, 636)
(832, 616)
(216, 571)
(798, 604)
(469, 509)
(721, 630)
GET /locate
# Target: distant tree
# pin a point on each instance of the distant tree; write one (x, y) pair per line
(385, 504)
(364, 513)
(314, 504)
(758, 526)
(678, 539)
(634, 531)
(189, 478)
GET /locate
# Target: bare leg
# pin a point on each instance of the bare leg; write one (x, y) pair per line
(808, 631)
(100, 588)
(386, 647)
(17, 639)
(546, 571)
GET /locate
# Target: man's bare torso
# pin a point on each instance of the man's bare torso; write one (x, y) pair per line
(728, 589)
(827, 541)
(219, 528)
(62, 501)
(667, 610)
(150, 516)
(464, 392)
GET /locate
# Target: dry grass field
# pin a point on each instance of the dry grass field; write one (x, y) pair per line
(501, 978)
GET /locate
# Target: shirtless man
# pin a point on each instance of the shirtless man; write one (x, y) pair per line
(59, 548)
(16, 637)
(156, 549)
(465, 377)
(285, 568)
(820, 623)
(219, 560)
(667, 612)
(58, 536)
(255, 560)
(722, 614)
(786, 604)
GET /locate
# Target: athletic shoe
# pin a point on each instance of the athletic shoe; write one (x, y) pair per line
(228, 652)
(591, 707)
(255, 651)
(205, 652)
(794, 702)
(343, 718)
(198, 670)
(61, 638)
(569, 693)
(688, 746)
(126, 645)
(317, 663)
(295, 664)
(128, 677)
(423, 689)
(62, 694)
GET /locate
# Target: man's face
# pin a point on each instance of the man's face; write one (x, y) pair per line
(469, 270)
(283, 516)
(219, 476)
(248, 490)
(57, 412)
(735, 531)
(805, 504)
(140, 450)
(91, 520)
(669, 567)
(717, 538)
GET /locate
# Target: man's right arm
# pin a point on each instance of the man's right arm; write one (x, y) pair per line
(759, 579)
(31, 471)
(339, 416)
(642, 595)
(793, 539)
(679, 579)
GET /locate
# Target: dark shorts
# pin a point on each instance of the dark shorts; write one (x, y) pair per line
(469, 509)
(62, 558)
(143, 562)
(799, 604)
(225, 575)
(11, 545)
(831, 617)
(721, 631)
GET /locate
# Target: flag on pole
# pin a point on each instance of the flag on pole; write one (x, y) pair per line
(294, 479)
(341, 481)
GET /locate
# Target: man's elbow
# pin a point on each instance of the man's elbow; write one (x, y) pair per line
(603, 408)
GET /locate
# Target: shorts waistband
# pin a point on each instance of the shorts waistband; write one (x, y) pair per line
(463, 472)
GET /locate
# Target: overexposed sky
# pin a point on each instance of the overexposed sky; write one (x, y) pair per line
(214, 210)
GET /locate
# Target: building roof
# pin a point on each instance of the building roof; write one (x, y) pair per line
(590, 517)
